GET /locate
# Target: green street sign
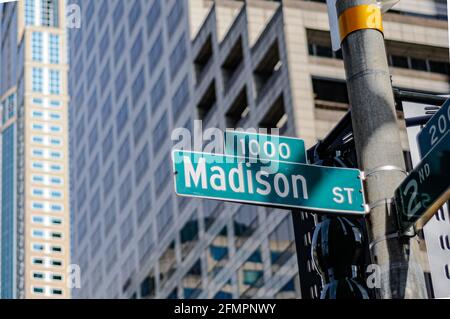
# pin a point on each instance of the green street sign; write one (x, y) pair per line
(426, 188)
(435, 130)
(280, 184)
(265, 147)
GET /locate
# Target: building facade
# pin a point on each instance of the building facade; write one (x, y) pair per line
(35, 214)
(139, 69)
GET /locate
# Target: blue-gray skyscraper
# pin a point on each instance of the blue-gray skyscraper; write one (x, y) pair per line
(139, 69)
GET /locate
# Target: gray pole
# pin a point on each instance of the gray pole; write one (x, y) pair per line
(378, 145)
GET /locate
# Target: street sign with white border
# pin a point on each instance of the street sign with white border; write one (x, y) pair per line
(289, 186)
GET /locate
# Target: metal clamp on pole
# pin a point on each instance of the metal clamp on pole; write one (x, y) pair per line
(385, 168)
(366, 16)
(380, 202)
(380, 239)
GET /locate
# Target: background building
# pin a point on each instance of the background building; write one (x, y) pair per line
(141, 68)
(35, 224)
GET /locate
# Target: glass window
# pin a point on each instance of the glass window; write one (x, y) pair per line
(158, 92)
(38, 219)
(91, 72)
(134, 15)
(108, 180)
(37, 80)
(110, 217)
(38, 139)
(38, 192)
(111, 254)
(56, 180)
(93, 138)
(124, 154)
(174, 18)
(138, 87)
(94, 170)
(38, 290)
(37, 127)
(400, 61)
(180, 98)
(56, 263)
(164, 218)
(55, 116)
(49, 13)
(56, 207)
(106, 110)
(439, 67)
(38, 179)
(117, 14)
(94, 205)
(160, 134)
(162, 175)
(54, 82)
(56, 221)
(38, 165)
(57, 291)
(192, 282)
(217, 253)
(54, 48)
(106, 74)
(251, 275)
(126, 232)
(55, 103)
(96, 240)
(155, 54)
(56, 155)
(55, 128)
(104, 42)
(38, 275)
(108, 144)
(125, 192)
(143, 204)
(140, 124)
(119, 45)
(38, 206)
(121, 80)
(419, 64)
(167, 263)
(148, 286)
(36, 46)
(153, 17)
(38, 233)
(29, 12)
(178, 56)
(189, 235)
(38, 261)
(38, 153)
(38, 247)
(57, 277)
(142, 164)
(245, 224)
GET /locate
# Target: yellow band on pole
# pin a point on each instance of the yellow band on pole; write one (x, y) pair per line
(360, 17)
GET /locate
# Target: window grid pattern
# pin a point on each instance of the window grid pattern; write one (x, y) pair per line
(36, 46)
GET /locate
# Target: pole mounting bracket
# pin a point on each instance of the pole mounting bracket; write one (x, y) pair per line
(385, 168)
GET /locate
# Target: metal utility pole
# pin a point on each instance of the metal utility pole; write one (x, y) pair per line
(378, 147)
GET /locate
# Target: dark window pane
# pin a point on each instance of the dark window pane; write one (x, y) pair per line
(324, 51)
(400, 61)
(439, 67)
(419, 64)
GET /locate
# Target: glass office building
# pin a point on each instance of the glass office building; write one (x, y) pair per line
(35, 223)
(140, 68)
